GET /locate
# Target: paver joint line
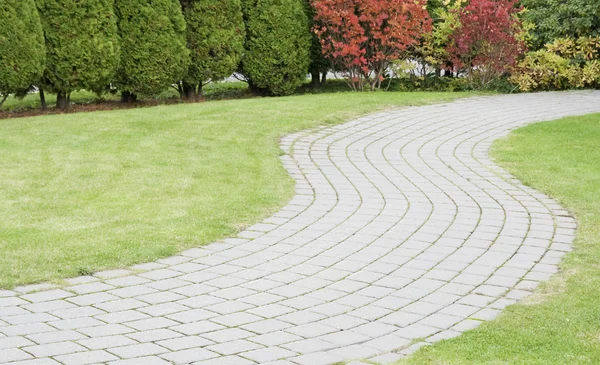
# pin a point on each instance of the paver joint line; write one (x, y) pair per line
(401, 228)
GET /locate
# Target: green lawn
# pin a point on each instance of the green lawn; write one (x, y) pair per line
(560, 323)
(92, 191)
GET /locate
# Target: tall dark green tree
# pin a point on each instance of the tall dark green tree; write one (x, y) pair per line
(215, 38)
(319, 65)
(277, 48)
(82, 45)
(562, 18)
(22, 50)
(153, 46)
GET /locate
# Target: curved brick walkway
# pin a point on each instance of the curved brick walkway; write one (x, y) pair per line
(402, 228)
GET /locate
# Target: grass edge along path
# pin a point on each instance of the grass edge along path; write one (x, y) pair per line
(560, 322)
(81, 193)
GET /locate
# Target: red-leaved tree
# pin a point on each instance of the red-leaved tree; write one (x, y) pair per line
(362, 37)
(488, 41)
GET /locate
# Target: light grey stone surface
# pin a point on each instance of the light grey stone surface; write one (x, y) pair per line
(401, 229)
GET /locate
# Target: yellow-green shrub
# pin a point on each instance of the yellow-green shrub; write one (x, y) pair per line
(565, 63)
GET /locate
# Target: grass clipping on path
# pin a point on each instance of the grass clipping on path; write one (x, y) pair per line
(86, 192)
(560, 322)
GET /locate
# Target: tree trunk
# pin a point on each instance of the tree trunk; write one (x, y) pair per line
(324, 78)
(189, 91)
(3, 99)
(128, 97)
(257, 90)
(448, 71)
(199, 91)
(62, 100)
(315, 83)
(180, 89)
(43, 99)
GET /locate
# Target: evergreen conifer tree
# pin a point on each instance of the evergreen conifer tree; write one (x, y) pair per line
(154, 55)
(215, 38)
(82, 46)
(277, 48)
(22, 50)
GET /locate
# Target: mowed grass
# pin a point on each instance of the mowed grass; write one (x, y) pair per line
(560, 323)
(86, 192)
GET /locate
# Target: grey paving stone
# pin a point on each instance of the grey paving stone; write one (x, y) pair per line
(55, 336)
(190, 316)
(160, 274)
(127, 281)
(388, 343)
(144, 360)
(120, 305)
(234, 347)
(160, 297)
(275, 338)
(29, 318)
(9, 355)
(76, 312)
(227, 360)
(85, 358)
(53, 349)
(105, 330)
(441, 320)
(467, 324)
(46, 296)
(268, 354)
(195, 328)
(94, 298)
(236, 319)
(154, 335)
(187, 342)
(101, 343)
(167, 284)
(132, 291)
(227, 335)
(188, 356)
(25, 329)
(109, 274)
(151, 323)
(345, 338)
(137, 350)
(14, 342)
(310, 345)
(90, 288)
(81, 280)
(13, 311)
(41, 361)
(121, 317)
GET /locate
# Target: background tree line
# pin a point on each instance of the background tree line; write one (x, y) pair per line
(142, 47)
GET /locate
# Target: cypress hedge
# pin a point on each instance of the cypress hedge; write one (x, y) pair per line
(22, 50)
(277, 48)
(215, 38)
(153, 46)
(82, 46)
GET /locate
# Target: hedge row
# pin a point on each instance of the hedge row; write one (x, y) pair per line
(146, 46)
